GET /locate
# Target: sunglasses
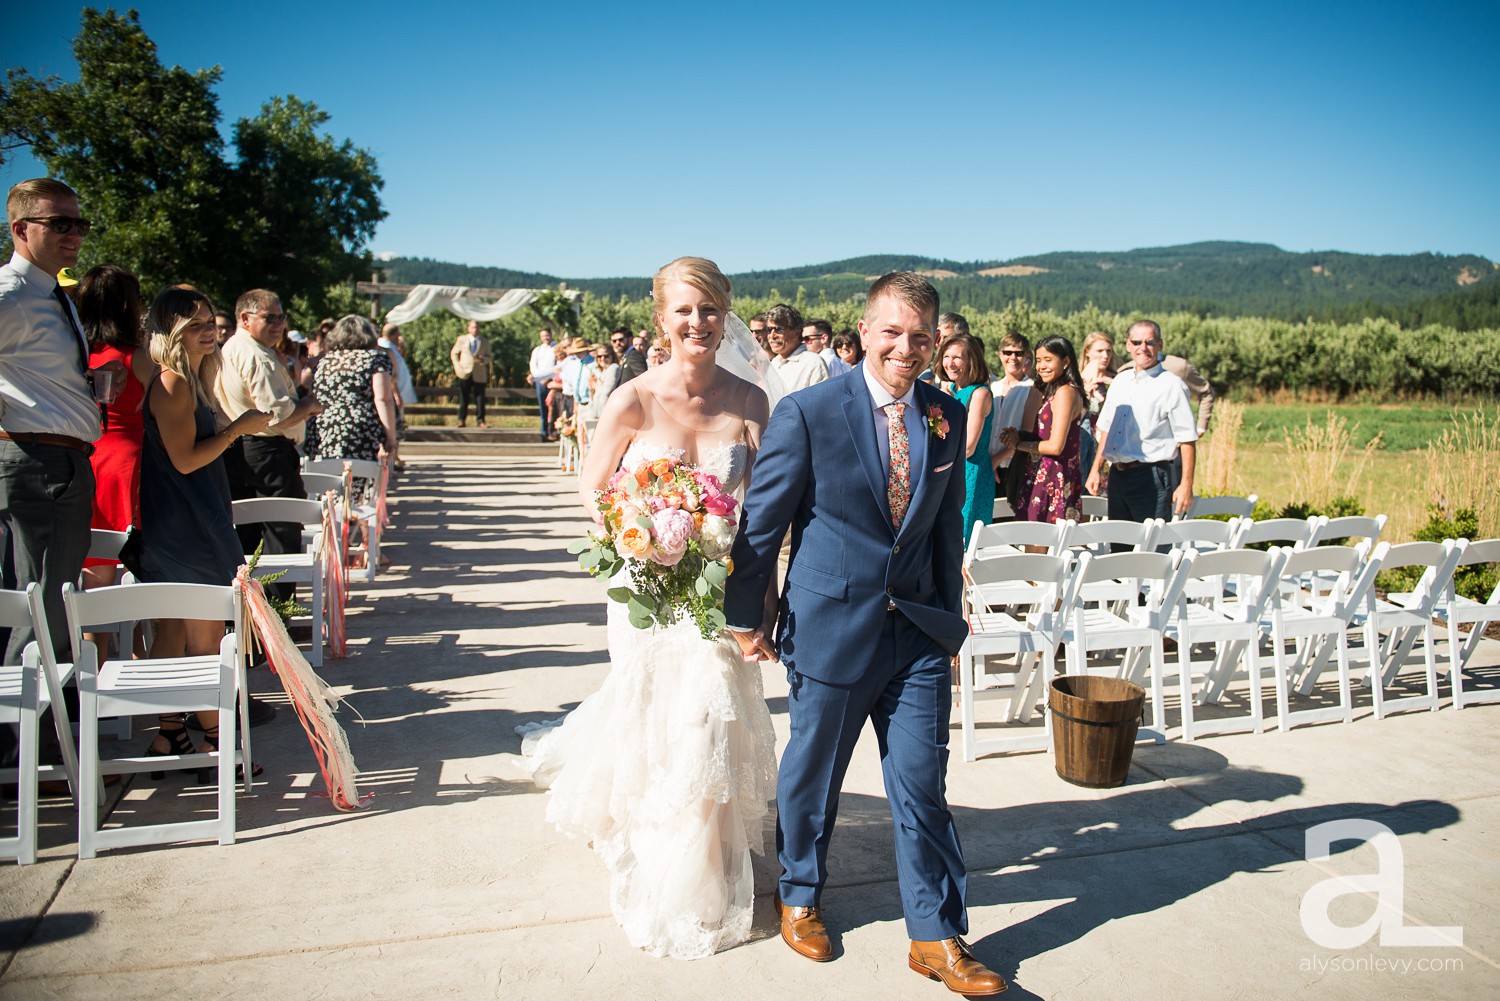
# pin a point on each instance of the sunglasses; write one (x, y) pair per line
(271, 317)
(62, 225)
(778, 330)
(1012, 354)
(1140, 344)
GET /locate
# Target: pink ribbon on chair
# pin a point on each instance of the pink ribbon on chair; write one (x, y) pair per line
(335, 575)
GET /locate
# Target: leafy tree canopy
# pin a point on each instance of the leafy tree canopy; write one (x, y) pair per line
(140, 142)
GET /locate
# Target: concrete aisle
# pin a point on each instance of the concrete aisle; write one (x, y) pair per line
(1186, 883)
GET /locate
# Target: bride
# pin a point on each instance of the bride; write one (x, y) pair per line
(669, 766)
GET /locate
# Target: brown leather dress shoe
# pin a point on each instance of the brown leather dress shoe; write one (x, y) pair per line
(802, 928)
(951, 962)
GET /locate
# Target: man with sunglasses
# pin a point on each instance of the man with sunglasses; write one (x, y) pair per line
(632, 362)
(48, 417)
(797, 366)
(1146, 421)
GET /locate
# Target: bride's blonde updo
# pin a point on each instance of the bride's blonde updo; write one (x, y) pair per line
(699, 272)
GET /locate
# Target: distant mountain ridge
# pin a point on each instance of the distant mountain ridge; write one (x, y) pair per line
(1212, 277)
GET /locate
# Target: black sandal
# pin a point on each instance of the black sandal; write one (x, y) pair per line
(211, 737)
(178, 743)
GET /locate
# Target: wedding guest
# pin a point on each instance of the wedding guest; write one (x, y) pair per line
(471, 372)
(963, 363)
(572, 373)
(846, 345)
(405, 388)
(1055, 486)
(817, 334)
(797, 366)
(357, 388)
(1141, 446)
(113, 317)
(605, 376)
(632, 362)
(657, 355)
(1200, 390)
(1016, 405)
(187, 523)
(1098, 372)
(757, 325)
(540, 370)
(224, 325)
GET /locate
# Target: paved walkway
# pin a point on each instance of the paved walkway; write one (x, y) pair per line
(1185, 883)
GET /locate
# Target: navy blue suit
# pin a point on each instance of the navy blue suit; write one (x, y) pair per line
(849, 655)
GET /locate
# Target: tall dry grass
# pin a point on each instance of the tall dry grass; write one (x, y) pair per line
(1223, 443)
(1324, 461)
(1464, 469)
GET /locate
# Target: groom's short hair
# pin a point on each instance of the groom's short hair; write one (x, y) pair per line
(904, 286)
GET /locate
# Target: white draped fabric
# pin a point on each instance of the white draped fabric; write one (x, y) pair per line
(425, 299)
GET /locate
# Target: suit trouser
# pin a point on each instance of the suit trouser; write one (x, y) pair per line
(470, 391)
(268, 467)
(1141, 491)
(907, 699)
(541, 406)
(46, 505)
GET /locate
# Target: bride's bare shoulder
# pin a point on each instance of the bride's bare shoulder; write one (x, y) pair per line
(627, 406)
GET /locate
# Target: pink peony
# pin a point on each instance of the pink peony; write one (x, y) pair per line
(719, 504)
(673, 528)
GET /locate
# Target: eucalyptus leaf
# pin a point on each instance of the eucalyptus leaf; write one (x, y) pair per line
(716, 573)
(702, 587)
(579, 545)
(620, 594)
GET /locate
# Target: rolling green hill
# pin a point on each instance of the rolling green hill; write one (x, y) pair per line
(1212, 278)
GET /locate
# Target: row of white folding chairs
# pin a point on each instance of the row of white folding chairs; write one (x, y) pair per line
(123, 687)
(1255, 596)
(368, 515)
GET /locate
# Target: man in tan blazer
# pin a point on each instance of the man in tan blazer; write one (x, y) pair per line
(471, 367)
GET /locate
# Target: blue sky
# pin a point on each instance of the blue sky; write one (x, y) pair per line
(589, 140)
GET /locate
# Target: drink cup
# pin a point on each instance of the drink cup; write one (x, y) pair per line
(108, 383)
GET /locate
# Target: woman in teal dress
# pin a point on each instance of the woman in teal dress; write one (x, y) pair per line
(962, 362)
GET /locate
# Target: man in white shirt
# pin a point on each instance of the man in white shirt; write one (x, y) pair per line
(818, 336)
(255, 377)
(539, 371)
(570, 371)
(48, 418)
(797, 366)
(1146, 420)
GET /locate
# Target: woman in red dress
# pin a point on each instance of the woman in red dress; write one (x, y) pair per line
(110, 308)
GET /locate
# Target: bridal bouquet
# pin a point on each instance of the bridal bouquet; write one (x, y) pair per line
(671, 525)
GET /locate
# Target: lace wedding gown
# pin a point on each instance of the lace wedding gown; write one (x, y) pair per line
(668, 769)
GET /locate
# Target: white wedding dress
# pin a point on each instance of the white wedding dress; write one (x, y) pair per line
(668, 769)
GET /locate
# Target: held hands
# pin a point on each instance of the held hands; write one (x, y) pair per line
(1009, 437)
(754, 646)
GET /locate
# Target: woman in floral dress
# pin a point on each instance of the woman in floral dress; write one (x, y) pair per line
(1056, 491)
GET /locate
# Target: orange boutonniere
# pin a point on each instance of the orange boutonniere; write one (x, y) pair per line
(937, 424)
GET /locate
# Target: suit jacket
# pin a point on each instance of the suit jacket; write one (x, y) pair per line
(471, 364)
(632, 365)
(819, 470)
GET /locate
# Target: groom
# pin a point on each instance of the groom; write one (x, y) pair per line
(867, 469)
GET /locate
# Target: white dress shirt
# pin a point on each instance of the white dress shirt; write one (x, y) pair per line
(254, 377)
(543, 362)
(406, 389)
(1010, 407)
(801, 369)
(42, 388)
(1145, 416)
(916, 426)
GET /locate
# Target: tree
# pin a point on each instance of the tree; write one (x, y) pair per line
(140, 143)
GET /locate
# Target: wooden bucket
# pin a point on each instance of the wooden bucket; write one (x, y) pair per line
(1094, 724)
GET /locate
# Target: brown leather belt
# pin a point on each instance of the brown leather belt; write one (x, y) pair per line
(1138, 465)
(43, 438)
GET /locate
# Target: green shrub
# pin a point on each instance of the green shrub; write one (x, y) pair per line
(1476, 581)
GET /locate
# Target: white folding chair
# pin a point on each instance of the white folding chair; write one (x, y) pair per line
(1007, 538)
(1319, 622)
(1028, 639)
(318, 484)
(305, 567)
(1232, 626)
(1348, 530)
(1155, 582)
(1205, 507)
(1100, 536)
(28, 690)
(370, 515)
(1292, 533)
(1408, 621)
(1454, 610)
(165, 685)
(1199, 535)
(105, 544)
(1094, 508)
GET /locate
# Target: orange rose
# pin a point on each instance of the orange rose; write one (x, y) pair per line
(728, 566)
(662, 468)
(643, 476)
(634, 542)
(697, 521)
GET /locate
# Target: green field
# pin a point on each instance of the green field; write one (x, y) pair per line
(1404, 426)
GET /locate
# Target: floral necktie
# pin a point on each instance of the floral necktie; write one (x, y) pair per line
(898, 482)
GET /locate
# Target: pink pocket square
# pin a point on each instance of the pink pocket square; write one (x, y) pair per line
(944, 467)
